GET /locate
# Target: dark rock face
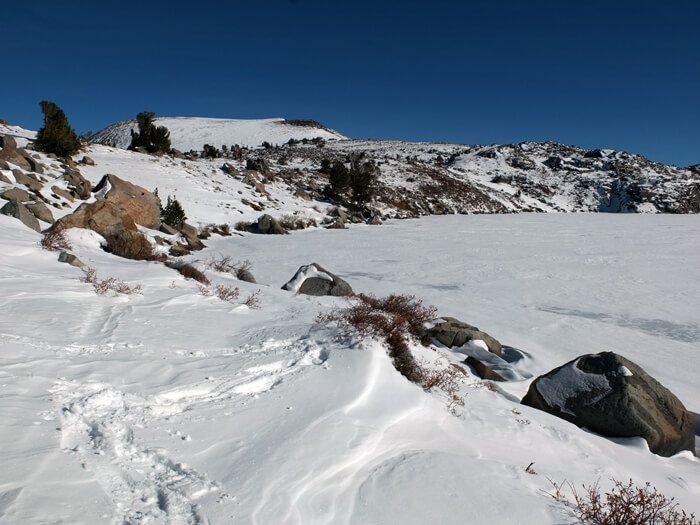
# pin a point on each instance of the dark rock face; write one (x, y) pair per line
(452, 332)
(312, 279)
(19, 211)
(614, 397)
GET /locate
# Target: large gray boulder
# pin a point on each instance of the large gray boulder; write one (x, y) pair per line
(614, 397)
(452, 332)
(19, 211)
(313, 279)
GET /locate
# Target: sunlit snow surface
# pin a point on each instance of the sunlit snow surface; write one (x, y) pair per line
(174, 407)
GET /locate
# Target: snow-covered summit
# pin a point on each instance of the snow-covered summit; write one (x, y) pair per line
(191, 133)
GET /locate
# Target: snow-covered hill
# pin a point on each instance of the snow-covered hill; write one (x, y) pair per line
(192, 133)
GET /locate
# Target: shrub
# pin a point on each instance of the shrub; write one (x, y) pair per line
(210, 152)
(55, 240)
(130, 245)
(295, 222)
(189, 272)
(173, 214)
(155, 139)
(393, 319)
(363, 179)
(112, 284)
(242, 226)
(625, 503)
(338, 178)
(253, 300)
(227, 293)
(56, 136)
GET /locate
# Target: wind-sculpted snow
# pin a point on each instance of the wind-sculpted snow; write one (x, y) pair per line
(176, 407)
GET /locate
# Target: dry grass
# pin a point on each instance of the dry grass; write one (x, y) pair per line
(624, 504)
(55, 240)
(111, 284)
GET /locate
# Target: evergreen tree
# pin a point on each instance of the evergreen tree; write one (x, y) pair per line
(339, 178)
(155, 139)
(56, 136)
(363, 179)
(173, 214)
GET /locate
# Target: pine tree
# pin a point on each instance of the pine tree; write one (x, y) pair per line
(173, 214)
(339, 178)
(155, 139)
(56, 136)
(363, 179)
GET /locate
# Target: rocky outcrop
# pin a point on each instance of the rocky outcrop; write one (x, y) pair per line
(19, 211)
(452, 332)
(102, 216)
(11, 153)
(41, 211)
(139, 203)
(16, 194)
(77, 183)
(614, 397)
(312, 279)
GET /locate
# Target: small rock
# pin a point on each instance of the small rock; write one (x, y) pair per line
(71, 259)
(8, 142)
(87, 161)
(452, 332)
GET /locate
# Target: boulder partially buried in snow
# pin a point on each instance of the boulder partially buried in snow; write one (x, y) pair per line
(312, 279)
(614, 397)
(452, 332)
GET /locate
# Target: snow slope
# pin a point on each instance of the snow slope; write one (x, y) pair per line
(191, 133)
(175, 407)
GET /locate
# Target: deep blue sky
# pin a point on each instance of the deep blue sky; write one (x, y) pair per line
(622, 74)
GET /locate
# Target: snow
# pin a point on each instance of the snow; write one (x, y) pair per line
(174, 407)
(191, 133)
(624, 371)
(569, 382)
